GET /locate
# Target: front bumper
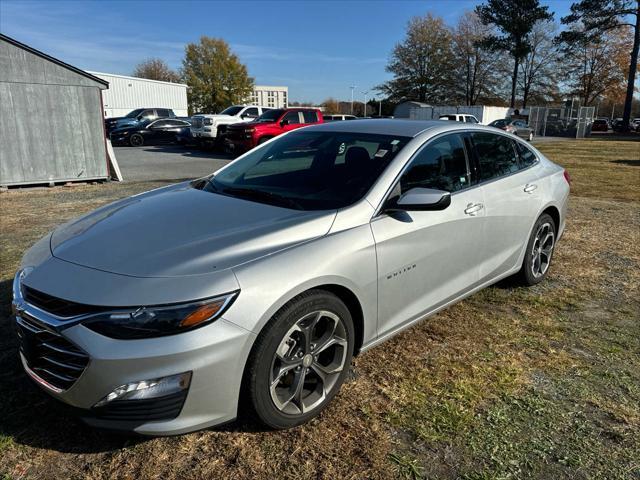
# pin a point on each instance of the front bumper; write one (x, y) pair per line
(215, 354)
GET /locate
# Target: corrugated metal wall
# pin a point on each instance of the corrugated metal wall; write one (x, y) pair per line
(51, 127)
(128, 93)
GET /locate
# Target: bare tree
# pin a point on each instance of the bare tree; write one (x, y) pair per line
(156, 69)
(590, 19)
(539, 67)
(476, 67)
(597, 66)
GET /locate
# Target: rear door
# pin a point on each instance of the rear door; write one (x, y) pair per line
(511, 198)
(426, 258)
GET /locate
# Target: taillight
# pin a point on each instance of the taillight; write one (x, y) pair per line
(567, 177)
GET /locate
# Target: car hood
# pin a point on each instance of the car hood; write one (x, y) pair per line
(180, 230)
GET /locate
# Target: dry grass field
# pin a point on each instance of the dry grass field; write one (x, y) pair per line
(511, 383)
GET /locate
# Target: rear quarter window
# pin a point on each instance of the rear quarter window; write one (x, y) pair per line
(310, 116)
(527, 157)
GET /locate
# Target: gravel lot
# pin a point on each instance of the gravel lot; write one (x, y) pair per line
(168, 162)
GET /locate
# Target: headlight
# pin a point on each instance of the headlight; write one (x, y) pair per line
(146, 322)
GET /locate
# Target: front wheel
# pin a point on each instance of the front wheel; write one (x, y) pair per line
(300, 360)
(537, 258)
(136, 140)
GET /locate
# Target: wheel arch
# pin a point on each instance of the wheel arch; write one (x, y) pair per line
(554, 213)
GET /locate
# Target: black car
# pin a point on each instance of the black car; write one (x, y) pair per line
(136, 116)
(150, 132)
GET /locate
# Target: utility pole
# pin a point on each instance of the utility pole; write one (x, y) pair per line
(379, 108)
(352, 87)
(364, 112)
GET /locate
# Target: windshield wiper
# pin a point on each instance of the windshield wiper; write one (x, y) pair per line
(271, 197)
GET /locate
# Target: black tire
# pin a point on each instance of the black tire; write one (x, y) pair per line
(263, 140)
(261, 367)
(136, 140)
(527, 276)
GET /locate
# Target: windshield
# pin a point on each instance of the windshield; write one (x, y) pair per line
(498, 123)
(310, 170)
(135, 113)
(231, 111)
(270, 116)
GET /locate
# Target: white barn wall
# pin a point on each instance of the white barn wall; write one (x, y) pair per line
(128, 93)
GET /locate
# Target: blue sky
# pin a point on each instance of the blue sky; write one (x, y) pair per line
(315, 48)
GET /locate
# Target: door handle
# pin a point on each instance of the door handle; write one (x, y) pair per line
(473, 208)
(530, 187)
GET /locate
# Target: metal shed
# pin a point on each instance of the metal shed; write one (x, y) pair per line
(51, 121)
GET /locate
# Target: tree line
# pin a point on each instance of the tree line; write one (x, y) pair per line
(504, 52)
(215, 75)
(515, 50)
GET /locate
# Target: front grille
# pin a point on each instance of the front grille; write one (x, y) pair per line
(197, 122)
(57, 306)
(154, 409)
(49, 355)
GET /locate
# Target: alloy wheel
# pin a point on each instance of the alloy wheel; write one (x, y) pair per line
(308, 362)
(542, 250)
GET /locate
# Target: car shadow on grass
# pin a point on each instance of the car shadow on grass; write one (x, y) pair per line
(630, 163)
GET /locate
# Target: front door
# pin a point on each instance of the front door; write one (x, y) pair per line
(426, 258)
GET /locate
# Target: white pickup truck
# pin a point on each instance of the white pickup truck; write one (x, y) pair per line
(209, 128)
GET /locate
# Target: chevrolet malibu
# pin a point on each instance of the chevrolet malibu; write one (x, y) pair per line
(252, 289)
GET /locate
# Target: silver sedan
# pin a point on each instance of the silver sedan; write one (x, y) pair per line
(256, 286)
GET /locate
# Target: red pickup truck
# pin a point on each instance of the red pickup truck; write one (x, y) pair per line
(241, 137)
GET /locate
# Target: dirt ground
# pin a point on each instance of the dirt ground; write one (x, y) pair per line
(511, 383)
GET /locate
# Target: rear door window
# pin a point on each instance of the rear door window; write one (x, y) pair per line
(163, 112)
(496, 155)
(441, 164)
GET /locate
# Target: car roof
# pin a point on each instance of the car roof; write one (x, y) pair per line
(406, 128)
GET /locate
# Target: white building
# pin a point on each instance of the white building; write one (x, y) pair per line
(128, 93)
(270, 96)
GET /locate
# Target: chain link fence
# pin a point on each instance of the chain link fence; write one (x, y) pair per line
(561, 121)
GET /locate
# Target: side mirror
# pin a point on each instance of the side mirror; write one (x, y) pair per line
(284, 122)
(421, 199)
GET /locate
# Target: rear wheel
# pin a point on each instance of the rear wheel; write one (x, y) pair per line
(537, 258)
(300, 360)
(136, 140)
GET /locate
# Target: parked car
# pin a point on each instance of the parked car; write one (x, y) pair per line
(337, 117)
(517, 127)
(600, 125)
(211, 128)
(160, 312)
(164, 130)
(244, 136)
(459, 117)
(136, 116)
